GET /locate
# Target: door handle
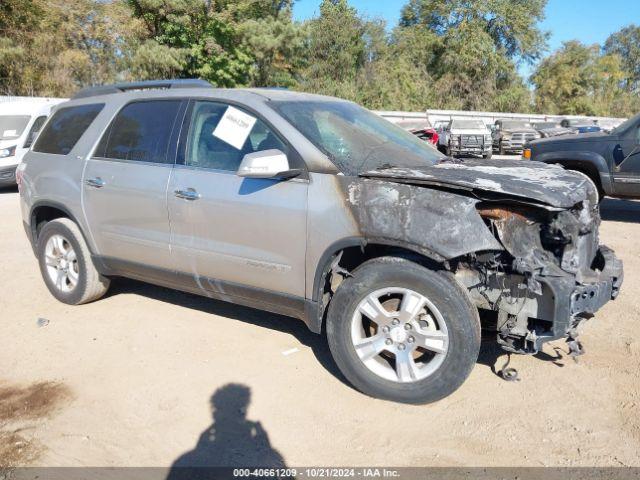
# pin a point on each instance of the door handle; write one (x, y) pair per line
(96, 182)
(187, 194)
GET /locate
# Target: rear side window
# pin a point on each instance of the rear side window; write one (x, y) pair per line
(141, 132)
(35, 129)
(65, 128)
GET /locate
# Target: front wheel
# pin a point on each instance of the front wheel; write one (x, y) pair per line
(402, 332)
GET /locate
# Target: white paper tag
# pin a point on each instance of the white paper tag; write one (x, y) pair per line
(234, 127)
(10, 133)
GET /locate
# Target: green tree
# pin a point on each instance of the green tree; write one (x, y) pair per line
(336, 50)
(54, 47)
(626, 44)
(511, 24)
(471, 49)
(579, 80)
(229, 43)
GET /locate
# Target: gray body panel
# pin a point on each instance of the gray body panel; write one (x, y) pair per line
(241, 230)
(127, 217)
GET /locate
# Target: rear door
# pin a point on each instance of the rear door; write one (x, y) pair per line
(236, 236)
(125, 184)
(626, 155)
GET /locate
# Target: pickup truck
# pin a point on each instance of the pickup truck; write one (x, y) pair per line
(611, 161)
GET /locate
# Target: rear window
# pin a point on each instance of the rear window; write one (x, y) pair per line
(140, 132)
(65, 128)
(12, 126)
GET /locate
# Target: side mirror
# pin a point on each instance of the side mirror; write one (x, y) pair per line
(266, 164)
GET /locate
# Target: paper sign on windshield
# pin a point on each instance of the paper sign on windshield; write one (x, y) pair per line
(10, 133)
(234, 127)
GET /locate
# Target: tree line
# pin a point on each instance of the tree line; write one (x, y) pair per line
(448, 54)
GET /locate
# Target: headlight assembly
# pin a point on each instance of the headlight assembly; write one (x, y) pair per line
(8, 152)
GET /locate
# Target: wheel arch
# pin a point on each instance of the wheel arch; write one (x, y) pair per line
(46, 210)
(354, 251)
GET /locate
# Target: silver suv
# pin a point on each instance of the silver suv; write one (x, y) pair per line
(315, 208)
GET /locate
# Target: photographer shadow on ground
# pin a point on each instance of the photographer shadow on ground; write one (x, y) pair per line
(230, 441)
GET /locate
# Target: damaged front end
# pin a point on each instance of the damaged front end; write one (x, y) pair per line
(552, 276)
(549, 273)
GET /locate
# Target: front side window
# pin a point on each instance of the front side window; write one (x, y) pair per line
(221, 135)
(141, 132)
(356, 140)
(65, 128)
(35, 129)
(12, 126)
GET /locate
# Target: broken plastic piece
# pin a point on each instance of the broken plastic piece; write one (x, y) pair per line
(575, 347)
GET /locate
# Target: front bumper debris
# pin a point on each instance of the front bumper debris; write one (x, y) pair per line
(577, 302)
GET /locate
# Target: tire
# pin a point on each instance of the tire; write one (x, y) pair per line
(60, 240)
(501, 149)
(487, 155)
(449, 306)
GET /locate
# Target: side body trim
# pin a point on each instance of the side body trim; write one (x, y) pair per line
(270, 301)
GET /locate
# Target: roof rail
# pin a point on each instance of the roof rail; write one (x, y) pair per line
(145, 85)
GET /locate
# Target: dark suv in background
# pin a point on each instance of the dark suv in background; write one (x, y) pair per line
(611, 161)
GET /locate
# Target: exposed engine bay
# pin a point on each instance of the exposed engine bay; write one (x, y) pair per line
(521, 237)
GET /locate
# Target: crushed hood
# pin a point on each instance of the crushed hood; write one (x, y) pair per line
(533, 182)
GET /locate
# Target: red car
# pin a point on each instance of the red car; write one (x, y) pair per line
(422, 129)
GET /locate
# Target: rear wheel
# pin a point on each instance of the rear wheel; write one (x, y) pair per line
(401, 332)
(66, 265)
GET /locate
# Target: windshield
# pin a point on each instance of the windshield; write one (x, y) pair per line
(12, 126)
(510, 125)
(475, 124)
(355, 139)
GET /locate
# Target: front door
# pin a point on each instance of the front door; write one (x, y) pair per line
(125, 184)
(236, 237)
(626, 156)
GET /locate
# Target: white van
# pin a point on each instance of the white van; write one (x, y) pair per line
(20, 122)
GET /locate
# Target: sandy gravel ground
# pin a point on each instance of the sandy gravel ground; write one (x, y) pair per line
(138, 378)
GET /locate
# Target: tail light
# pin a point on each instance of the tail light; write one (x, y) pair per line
(20, 174)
